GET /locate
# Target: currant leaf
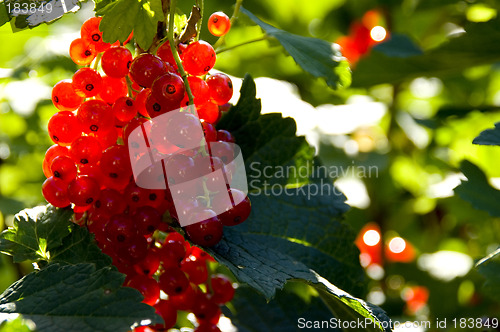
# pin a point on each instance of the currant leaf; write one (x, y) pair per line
(121, 17)
(35, 233)
(489, 267)
(316, 56)
(301, 229)
(93, 300)
(477, 191)
(489, 136)
(4, 17)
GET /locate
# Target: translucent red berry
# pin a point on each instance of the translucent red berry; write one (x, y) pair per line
(198, 58)
(222, 289)
(55, 192)
(90, 32)
(112, 89)
(64, 128)
(116, 61)
(83, 191)
(124, 109)
(164, 52)
(146, 68)
(95, 116)
(64, 96)
(82, 52)
(168, 88)
(87, 82)
(221, 88)
(218, 24)
(208, 231)
(86, 150)
(64, 168)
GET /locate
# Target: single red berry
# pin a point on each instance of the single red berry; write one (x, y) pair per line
(146, 220)
(207, 327)
(115, 164)
(164, 52)
(205, 309)
(51, 153)
(184, 130)
(172, 253)
(146, 68)
(225, 136)
(64, 168)
(173, 281)
(110, 202)
(185, 300)
(140, 102)
(95, 116)
(149, 265)
(218, 24)
(64, 128)
(90, 32)
(55, 192)
(205, 228)
(119, 228)
(116, 61)
(196, 270)
(236, 214)
(221, 88)
(209, 131)
(86, 150)
(199, 89)
(83, 191)
(198, 58)
(64, 96)
(168, 312)
(209, 112)
(168, 88)
(87, 82)
(82, 52)
(124, 109)
(222, 289)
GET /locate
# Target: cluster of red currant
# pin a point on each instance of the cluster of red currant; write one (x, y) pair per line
(89, 167)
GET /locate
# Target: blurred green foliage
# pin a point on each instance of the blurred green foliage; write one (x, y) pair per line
(426, 132)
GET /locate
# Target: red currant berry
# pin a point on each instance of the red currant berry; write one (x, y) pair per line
(87, 82)
(82, 52)
(207, 327)
(198, 58)
(239, 212)
(222, 289)
(168, 88)
(86, 150)
(205, 309)
(209, 131)
(185, 300)
(64, 168)
(184, 130)
(221, 88)
(140, 102)
(218, 24)
(116, 61)
(168, 312)
(64, 128)
(90, 32)
(55, 192)
(149, 265)
(195, 269)
(124, 109)
(146, 219)
(146, 68)
(119, 228)
(199, 89)
(209, 112)
(205, 228)
(115, 164)
(172, 252)
(64, 96)
(173, 281)
(110, 202)
(83, 191)
(95, 116)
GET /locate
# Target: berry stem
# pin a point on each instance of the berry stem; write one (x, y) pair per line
(236, 11)
(265, 37)
(201, 5)
(173, 5)
(97, 60)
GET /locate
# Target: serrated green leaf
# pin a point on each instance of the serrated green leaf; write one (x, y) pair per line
(477, 46)
(489, 136)
(477, 190)
(35, 233)
(268, 142)
(305, 224)
(489, 267)
(316, 56)
(76, 298)
(121, 17)
(79, 247)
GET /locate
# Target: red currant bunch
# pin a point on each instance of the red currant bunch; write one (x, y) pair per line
(89, 167)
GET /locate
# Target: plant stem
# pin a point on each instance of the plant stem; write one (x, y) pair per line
(222, 39)
(97, 59)
(265, 37)
(173, 5)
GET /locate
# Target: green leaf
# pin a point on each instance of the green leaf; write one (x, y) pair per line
(35, 233)
(76, 298)
(316, 56)
(268, 142)
(477, 190)
(14, 325)
(305, 224)
(251, 313)
(479, 45)
(489, 136)
(79, 247)
(121, 17)
(489, 267)
(398, 46)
